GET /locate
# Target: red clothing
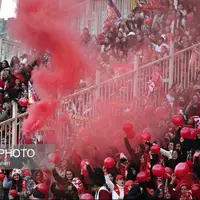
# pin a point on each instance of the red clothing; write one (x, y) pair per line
(176, 195)
(18, 76)
(2, 84)
(105, 195)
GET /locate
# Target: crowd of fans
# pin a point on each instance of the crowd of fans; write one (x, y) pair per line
(161, 168)
(15, 82)
(136, 173)
(147, 31)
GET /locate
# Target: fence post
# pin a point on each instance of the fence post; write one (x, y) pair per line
(171, 63)
(135, 75)
(97, 83)
(1, 41)
(14, 123)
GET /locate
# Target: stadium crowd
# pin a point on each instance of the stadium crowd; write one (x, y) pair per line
(147, 31)
(163, 163)
(15, 82)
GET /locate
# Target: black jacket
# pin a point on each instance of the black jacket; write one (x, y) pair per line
(73, 195)
(137, 194)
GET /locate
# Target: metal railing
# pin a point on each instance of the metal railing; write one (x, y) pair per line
(177, 68)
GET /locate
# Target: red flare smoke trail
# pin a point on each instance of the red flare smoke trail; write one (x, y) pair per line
(43, 25)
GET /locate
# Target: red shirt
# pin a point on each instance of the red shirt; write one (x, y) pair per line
(105, 195)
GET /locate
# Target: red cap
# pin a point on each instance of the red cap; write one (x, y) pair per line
(118, 177)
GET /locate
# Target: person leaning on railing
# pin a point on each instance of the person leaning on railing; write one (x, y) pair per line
(6, 112)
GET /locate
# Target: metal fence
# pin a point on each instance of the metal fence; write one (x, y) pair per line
(177, 68)
(9, 48)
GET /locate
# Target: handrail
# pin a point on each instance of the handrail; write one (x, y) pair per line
(7, 121)
(12, 118)
(183, 50)
(110, 80)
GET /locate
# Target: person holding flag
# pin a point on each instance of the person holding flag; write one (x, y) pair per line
(113, 14)
(32, 96)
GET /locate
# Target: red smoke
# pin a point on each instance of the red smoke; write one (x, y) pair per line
(43, 25)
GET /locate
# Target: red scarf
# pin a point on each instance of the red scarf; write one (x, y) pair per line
(116, 189)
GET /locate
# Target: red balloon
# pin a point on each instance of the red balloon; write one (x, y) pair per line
(87, 196)
(142, 177)
(181, 170)
(145, 136)
(129, 183)
(148, 21)
(26, 172)
(168, 170)
(195, 190)
(160, 112)
(198, 129)
(177, 120)
(148, 109)
(13, 193)
(155, 148)
(54, 158)
(43, 188)
(193, 134)
(190, 17)
(185, 133)
(109, 162)
(2, 176)
(128, 127)
(158, 170)
(23, 102)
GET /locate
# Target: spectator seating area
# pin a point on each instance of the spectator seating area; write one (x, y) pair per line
(156, 155)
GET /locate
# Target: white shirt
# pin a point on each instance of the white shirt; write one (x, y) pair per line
(158, 48)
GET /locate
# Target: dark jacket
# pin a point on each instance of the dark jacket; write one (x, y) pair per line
(135, 157)
(68, 195)
(137, 194)
(62, 181)
(196, 145)
(172, 163)
(4, 115)
(196, 167)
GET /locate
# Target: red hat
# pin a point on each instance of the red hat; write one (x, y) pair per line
(189, 163)
(118, 177)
